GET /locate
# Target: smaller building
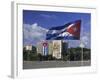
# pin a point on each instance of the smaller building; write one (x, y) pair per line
(64, 48)
(28, 47)
(50, 47)
(39, 48)
(45, 48)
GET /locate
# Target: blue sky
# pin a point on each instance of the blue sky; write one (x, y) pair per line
(44, 20)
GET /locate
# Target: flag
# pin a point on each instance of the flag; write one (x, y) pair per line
(69, 31)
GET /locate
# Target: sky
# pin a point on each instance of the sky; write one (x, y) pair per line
(37, 23)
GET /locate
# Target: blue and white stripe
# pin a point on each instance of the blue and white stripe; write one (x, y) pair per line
(60, 32)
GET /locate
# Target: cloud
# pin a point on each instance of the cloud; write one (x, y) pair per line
(48, 16)
(74, 43)
(85, 38)
(33, 33)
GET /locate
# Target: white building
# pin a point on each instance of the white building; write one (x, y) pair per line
(50, 48)
(57, 45)
(39, 48)
(28, 47)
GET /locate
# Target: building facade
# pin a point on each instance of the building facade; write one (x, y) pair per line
(28, 47)
(56, 48)
(39, 48)
(50, 47)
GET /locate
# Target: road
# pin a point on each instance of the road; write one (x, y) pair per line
(54, 64)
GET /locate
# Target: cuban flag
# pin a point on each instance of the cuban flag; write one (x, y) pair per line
(45, 48)
(70, 31)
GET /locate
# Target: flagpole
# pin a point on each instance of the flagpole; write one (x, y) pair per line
(82, 46)
(82, 57)
(69, 51)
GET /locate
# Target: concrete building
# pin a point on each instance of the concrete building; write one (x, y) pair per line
(45, 48)
(57, 47)
(42, 48)
(39, 48)
(28, 47)
(65, 51)
(50, 48)
(64, 47)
